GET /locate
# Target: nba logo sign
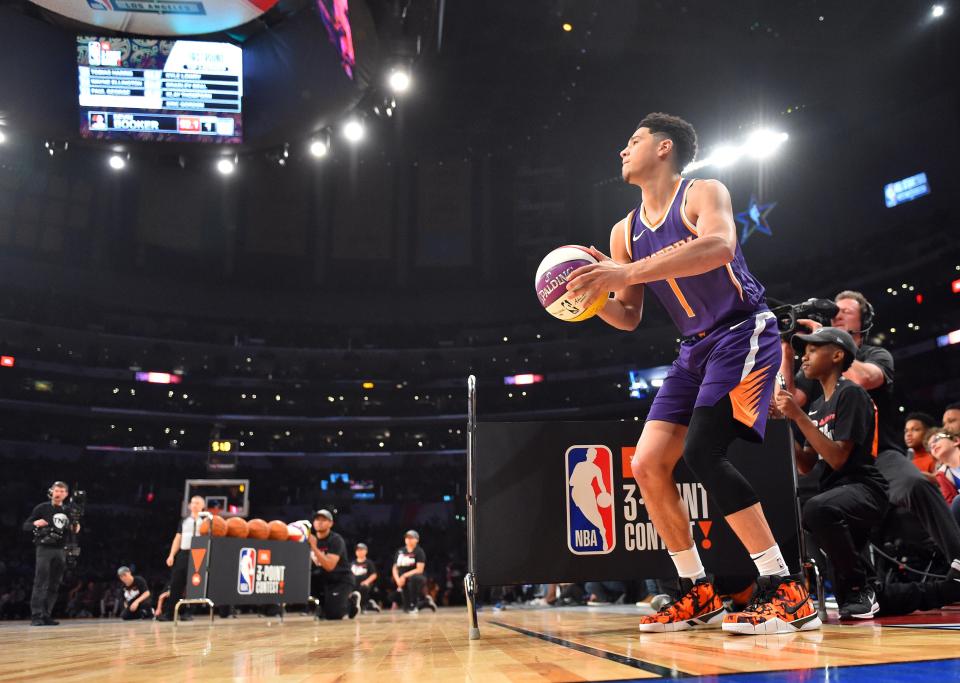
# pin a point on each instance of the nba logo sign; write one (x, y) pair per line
(247, 571)
(591, 523)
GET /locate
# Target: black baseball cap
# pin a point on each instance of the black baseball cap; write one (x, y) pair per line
(323, 513)
(828, 335)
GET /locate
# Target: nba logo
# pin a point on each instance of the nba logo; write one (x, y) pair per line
(246, 573)
(591, 523)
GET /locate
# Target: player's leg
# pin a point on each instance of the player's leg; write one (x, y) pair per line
(336, 600)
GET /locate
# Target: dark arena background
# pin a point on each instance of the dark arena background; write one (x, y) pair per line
(254, 250)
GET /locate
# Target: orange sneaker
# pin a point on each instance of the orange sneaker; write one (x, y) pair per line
(700, 606)
(780, 605)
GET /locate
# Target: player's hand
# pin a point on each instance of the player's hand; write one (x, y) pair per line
(605, 276)
(40, 523)
(170, 560)
(788, 405)
(811, 325)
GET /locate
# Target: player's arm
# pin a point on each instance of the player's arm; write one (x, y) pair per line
(625, 310)
(806, 458)
(370, 580)
(139, 600)
(174, 547)
(716, 244)
(834, 452)
(327, 561)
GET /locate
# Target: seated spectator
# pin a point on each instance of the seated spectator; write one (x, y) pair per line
(136, 596)
(914, 430)
(945, 447)
(951, 418)
(839, 430)
(605, 592)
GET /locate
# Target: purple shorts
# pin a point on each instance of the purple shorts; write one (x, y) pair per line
(740, 361)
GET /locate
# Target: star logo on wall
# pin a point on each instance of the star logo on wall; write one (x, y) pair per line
(754, 219)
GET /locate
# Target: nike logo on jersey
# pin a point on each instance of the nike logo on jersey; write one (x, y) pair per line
(640, 235)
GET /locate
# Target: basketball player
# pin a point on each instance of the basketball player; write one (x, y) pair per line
(581, 479)
(680, 242)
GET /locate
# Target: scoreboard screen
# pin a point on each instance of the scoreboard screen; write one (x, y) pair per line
(170, 90)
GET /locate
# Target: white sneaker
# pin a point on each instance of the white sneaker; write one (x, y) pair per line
(354, 605)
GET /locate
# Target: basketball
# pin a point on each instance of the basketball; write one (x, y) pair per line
(604, 500)
(219, 526)
(237, 527)
(277, 530)
(298, 531)
(551, 285)
(257, 528)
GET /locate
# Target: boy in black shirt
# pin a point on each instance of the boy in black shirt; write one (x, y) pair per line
(408, 567)
(365, 574)
(136, 596)
(332, 582)
(841, 430)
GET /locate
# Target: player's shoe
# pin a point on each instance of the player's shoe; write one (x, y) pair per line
(699, 607)
(428, 603)
(353, 607)
(780, 605)
(861, 605)
(372, 606)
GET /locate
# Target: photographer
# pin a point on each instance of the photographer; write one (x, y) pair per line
(50, 524)
(872, 369)
(136, 596)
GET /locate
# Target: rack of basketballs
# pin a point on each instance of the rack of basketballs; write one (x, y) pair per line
(237, 527)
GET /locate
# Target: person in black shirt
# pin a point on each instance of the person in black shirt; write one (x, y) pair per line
(331, 580)
(49, 523)
(136, 596)
(840, 430)
(365, 574)
(409, 564)
(873, 369)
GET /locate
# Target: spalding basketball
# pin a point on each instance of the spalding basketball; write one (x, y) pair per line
(237, 527)
(219, 526)
(604, 500)
(278, 530)
(298, 531)
(551, 285)
(257, 528)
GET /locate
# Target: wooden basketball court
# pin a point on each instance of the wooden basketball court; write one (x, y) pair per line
(547, 644)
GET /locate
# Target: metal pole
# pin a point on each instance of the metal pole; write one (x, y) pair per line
(808, 564)
(470, 580)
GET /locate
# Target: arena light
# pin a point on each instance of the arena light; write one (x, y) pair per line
(353, 131)
(955, 286)
(319, 147)
(7, 361)
(725, 155)
(763, 143)
(226, 166)
(3, 137)
(158, 378)
(399, 80)
(937, 11)
(949, 339)
(526, 378)
(117, 162)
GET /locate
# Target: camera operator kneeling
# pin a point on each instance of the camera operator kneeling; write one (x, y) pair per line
(49, 523)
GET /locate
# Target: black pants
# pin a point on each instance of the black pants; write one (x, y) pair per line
(366, 593)
(142, 612)
(412, 591)
(909, 489)
(178, 583)
(904, 598)
(333, 596)
(840, 520)
(46, 580)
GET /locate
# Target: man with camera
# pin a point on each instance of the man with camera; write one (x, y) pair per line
(873, 370)
(50, 524)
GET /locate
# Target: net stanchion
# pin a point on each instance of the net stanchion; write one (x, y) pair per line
(470, 579)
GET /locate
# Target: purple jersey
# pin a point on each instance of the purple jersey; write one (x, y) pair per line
(699, 302)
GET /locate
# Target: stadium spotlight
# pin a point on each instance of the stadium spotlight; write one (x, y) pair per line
(320, 145)
(763, 143)
(3, 137)
(399, 80)
(937, 11)
(117, 162)
(353, 130)
(725, 155)
(226, 166)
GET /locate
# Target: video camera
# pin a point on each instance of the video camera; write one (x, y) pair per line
(75, 509)
(822, 311)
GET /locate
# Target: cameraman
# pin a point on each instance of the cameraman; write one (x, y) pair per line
(873, 370)
(49, 523)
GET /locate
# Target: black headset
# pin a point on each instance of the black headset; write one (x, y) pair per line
(866, 316)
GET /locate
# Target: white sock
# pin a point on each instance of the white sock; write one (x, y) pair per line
(688, 564)
(770, 562)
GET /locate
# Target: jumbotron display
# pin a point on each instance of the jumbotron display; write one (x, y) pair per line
(167, 90)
